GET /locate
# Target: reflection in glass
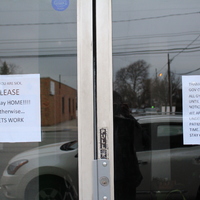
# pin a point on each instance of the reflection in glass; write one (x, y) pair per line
(39, 37)
(154, 44)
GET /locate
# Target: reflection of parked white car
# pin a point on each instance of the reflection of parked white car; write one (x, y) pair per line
(167, 165)
(53, 166)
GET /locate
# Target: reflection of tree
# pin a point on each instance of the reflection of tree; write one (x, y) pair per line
(137, 90)
(176, 85)
(4, 68)
(7, 68)
(145, 98)
(160, 89)
(130, 81)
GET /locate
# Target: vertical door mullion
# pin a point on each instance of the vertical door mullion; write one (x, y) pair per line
(105, 83)
(87, 92)
(85, 100)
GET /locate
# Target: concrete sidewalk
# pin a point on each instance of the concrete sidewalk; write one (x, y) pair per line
(68, 125)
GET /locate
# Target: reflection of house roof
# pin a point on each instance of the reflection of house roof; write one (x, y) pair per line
(57, 82)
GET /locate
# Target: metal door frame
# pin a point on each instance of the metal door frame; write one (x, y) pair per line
(95, 107)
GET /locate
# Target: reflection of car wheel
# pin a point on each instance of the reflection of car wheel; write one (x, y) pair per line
(50, 188)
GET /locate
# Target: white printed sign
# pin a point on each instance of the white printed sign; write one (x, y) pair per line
(191, 109)
(20, 119)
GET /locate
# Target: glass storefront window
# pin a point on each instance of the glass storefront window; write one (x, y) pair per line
(38, 38)
(156, 98)
(156, 102)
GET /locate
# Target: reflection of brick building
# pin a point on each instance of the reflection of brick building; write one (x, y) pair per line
(58, 102)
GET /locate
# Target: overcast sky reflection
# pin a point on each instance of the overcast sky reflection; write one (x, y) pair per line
(42, 40)
(149, 30)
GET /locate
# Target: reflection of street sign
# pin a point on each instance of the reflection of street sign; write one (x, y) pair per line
(60, 5)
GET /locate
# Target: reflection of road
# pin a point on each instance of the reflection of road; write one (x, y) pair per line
(9, 150)
(59, 136)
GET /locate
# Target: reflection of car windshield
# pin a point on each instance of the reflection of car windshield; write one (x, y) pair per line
(169, 131)
(140, 110)
(160, 132)
(150, 110)
(69, 146)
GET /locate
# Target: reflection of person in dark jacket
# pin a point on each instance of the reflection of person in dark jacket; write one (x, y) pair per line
(127, 175)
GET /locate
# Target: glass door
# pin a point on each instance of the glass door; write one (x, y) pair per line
(156, 100)
(38, 105)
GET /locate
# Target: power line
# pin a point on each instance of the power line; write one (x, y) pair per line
(150, 36)
(115, 21)
(39, 50)
(75, 54)
(157, 17)
(27, 41)
(37, 24)
(126, 53)
(163, 67)
(188, 72)
(166, 47)
(71, 47)
(175, 42)
(185, 47)
(157, 51)
(39, 56)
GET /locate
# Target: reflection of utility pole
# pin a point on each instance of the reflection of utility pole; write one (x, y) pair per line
(169, 86)
(156, 73)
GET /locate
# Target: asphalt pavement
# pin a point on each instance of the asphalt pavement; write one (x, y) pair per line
(67, 125)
